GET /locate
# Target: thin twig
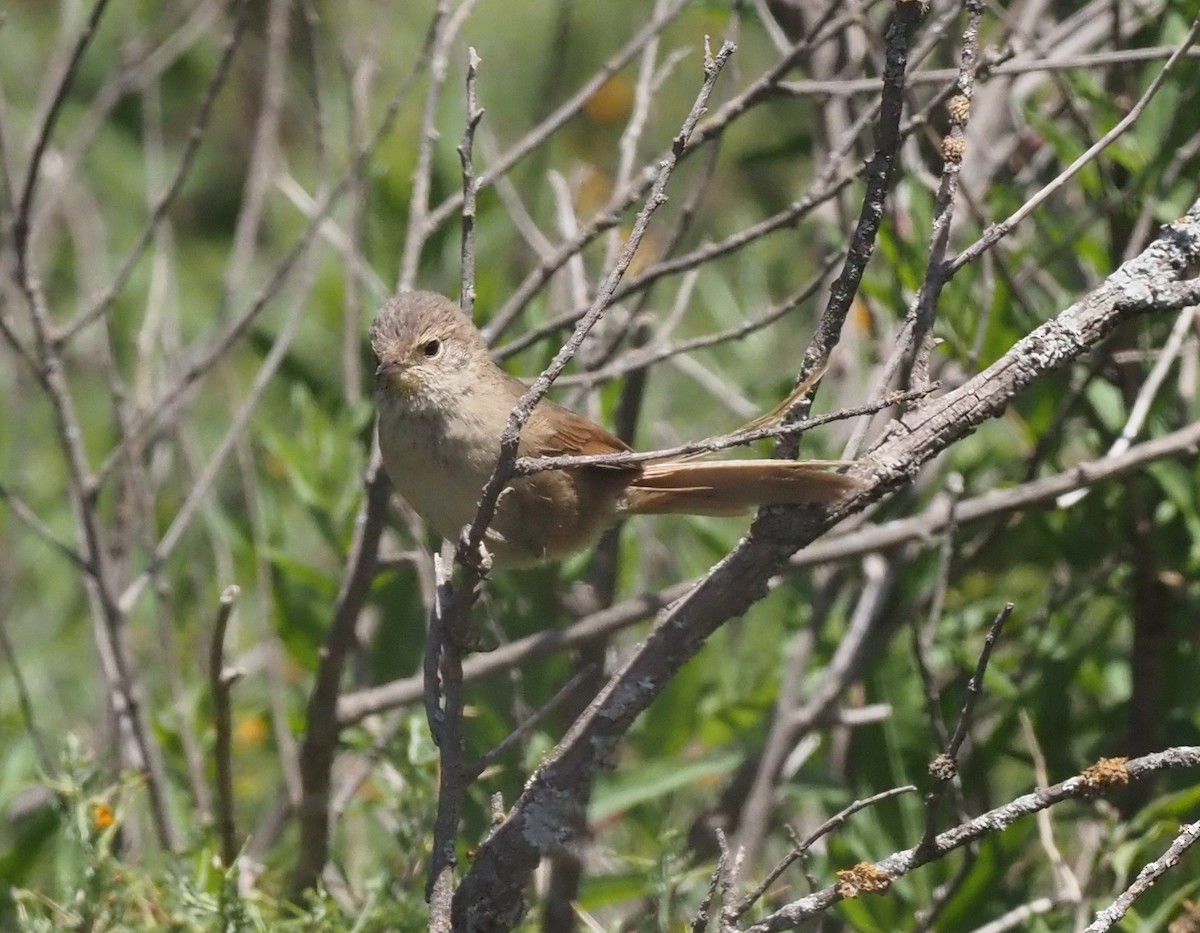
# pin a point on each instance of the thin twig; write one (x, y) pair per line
(137, 745)
(1068, 889)
(854, 647)
(1145, 396)
(21, 220)
(924, 305)
(879, 178)
(221, 681)
(321, 737)
(204, 482)
(844, 87)
(801, 848)
(261, 164)
(975, 684)
(996, 232)
(506, 462)
(1019, 917)
(700, 921)
(451, 616)
(444, 28)
(641, 359)
(529, 465)
(709, 131)
(1112, 915)
(560, 116)
(944, 768)
(195, 137)
(25, 702)
(465, 154)
(1181, 443)
(923, 636)
(30, 519)
(360, 77)
(450, 619)
(993, 821)
(531, 721)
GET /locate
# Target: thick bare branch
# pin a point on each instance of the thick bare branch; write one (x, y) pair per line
(547, 811)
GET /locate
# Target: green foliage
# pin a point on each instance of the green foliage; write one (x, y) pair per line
(1090, 583)
(96, 889)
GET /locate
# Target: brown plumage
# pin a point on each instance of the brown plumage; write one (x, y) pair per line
(443, 404)
(731, 487)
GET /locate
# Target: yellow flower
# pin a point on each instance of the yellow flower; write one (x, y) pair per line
(612, 101)
(250, 731)
(103, 816)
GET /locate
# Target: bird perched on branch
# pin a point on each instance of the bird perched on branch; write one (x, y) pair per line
(444, 404)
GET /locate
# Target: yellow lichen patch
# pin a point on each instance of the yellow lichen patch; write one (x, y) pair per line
(1106, 774)
(863, 878)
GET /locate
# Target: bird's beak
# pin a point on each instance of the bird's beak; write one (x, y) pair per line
(395, 379)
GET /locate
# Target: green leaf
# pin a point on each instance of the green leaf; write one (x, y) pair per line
(638, 784)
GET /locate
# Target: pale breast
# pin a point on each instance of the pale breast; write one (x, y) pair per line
(440, 470)
(437, 472)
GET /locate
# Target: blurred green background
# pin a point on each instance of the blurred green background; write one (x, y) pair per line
(1100, 654)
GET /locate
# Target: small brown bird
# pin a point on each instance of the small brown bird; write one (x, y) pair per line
(443, 404)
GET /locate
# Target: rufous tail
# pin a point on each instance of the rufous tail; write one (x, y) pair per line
(730, 487)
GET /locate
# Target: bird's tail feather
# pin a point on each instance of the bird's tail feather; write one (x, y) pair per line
(730, 487)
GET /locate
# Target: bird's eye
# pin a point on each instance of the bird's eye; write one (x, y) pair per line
(431, 348)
